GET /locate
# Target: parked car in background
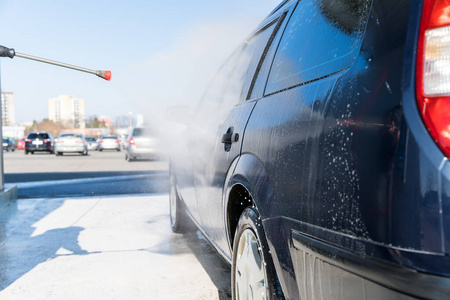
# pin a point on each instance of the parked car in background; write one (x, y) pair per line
(109, 142)
(92, 143)
(328, 175)
(142, 143)
(124, 141)
(39, 142)
(9, 144)
(71, 143)
(21, 144)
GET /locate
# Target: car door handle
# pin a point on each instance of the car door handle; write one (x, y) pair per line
(229, 138)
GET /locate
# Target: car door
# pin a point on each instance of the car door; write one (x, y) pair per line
(225, 146)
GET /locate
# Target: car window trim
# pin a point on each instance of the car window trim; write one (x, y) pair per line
(279, 22)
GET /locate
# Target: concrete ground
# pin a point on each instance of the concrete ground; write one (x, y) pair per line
(104, 248)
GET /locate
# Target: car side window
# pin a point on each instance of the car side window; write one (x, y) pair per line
(253, 54)
(320, 39)
(259, 80)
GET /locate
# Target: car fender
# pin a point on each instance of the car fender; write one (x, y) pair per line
(249, 172)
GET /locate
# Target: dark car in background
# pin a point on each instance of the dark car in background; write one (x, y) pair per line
(39, 142)
(327, 176)
(142, 143)
(9, 144)
(92, 143)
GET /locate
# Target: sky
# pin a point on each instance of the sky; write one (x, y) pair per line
(160, 53)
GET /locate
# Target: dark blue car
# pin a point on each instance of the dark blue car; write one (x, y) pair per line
(329, 176)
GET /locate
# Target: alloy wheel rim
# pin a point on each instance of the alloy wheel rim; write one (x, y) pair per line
(250, 273)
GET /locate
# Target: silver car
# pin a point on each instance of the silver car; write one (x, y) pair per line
(70, 143)
(141, 143)
(109, 142)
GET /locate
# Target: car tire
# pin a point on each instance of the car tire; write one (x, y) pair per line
(252, 261)
(32, 152)
(179, 220)
(26, 152)
(100, 150)
(57, 153)
(85, 152)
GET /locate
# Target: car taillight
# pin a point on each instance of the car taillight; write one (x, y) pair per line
(101, 142)
(27, 141)
(47, 140)
(433, 71)
(117, 142)
(131, 141)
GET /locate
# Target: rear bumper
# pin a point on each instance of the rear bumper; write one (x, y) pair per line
(348, 271)
(141, 152)
(109, 147)
(76, 148)
(39, 148)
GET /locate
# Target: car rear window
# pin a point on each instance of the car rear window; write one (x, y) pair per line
(142, 132)
(90, 139)
(320, 39)
(109, 138)
(41, 136)
(74, 135)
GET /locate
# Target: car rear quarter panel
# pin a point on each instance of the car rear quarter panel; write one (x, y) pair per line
(346, 160)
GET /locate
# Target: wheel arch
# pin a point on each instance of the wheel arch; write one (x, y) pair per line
(247, 185)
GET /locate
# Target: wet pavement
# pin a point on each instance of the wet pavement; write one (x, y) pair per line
(110, 247)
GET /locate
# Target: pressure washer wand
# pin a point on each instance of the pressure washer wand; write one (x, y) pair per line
(9, 52)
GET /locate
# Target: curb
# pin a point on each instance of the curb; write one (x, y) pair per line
(9, 194)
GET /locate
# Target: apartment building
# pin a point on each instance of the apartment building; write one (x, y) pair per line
(68, 110)
(8, 109)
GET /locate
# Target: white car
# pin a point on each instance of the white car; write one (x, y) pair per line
(110, 142)
(71, 143)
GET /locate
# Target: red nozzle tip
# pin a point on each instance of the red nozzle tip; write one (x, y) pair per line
(105, 75)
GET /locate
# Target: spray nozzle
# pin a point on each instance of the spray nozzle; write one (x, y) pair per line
(9, 52)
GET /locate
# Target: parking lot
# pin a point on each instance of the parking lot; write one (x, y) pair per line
(91, 243)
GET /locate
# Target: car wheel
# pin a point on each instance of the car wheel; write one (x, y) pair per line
(85, 152)
(100, 150)
(26, 152)
(57, 153)
(179, 220)
(32, 152)
(253, 274)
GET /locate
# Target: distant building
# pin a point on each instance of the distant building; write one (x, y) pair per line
(16, 132)
(8, 109)
(67, 110)
(105, 120)
(94, 132)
